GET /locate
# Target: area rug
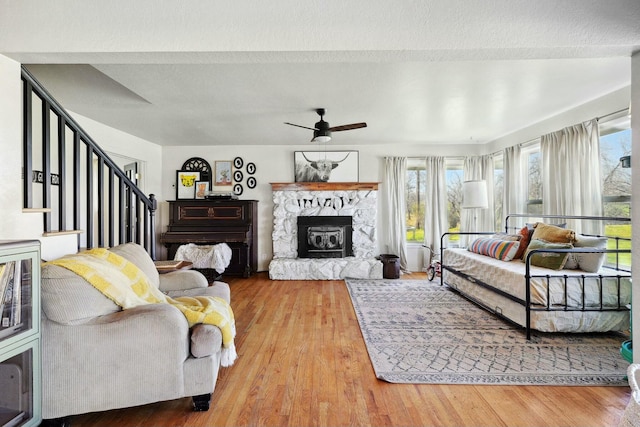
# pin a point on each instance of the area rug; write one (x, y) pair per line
(419, 332)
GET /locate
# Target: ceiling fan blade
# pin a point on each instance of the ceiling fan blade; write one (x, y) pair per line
(303, 127)
(348, 127)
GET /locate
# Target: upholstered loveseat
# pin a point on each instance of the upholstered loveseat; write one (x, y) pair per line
(97, 356)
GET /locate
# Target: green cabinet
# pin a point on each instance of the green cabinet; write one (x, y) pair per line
(20, 367)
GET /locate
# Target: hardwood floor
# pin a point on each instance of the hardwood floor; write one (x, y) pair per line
(302, 362)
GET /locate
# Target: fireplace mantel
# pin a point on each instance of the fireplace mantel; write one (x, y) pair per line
(323, 186)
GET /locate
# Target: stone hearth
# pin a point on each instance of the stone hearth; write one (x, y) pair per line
(358, 200)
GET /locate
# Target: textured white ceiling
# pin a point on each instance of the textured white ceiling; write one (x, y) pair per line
(204, 72)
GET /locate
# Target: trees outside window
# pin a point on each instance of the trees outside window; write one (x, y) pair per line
(615, 142)
(534, 180)
(416, 202)
(454, 178)
(415, 197)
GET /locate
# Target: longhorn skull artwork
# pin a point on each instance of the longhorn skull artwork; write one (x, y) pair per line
(308, 170)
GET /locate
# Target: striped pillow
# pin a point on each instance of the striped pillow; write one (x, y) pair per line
(503, 250)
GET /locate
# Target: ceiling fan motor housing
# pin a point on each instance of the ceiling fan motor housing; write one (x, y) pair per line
(322, 129)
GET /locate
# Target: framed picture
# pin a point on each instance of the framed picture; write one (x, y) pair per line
(186, 184)
(223, 173)
(326, 166)
(202, 188)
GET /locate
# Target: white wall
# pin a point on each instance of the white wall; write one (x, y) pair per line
(275, 164)
(112, 140)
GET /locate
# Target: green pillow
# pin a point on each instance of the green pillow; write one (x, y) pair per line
(554, 261)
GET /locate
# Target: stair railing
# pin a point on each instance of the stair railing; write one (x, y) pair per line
(74, 183)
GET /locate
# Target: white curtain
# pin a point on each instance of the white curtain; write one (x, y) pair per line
(477, 168)
(395, 172)
(515, 172)
(571, 174)
(435, 215)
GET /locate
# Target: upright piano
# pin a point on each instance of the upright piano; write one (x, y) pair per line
(211, 221)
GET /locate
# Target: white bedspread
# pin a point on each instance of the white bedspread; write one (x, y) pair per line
(510, 277)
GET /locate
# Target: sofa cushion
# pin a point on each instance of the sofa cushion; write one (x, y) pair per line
(137, 255)
(69, 299)
(205, 340)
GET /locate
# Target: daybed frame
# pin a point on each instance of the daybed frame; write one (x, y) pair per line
(615, 272)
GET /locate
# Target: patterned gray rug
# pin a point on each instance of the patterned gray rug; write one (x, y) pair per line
(419, 332)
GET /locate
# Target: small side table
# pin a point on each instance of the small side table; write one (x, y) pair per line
(172, 265)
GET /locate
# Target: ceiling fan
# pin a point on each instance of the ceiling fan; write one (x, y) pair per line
(322, 131)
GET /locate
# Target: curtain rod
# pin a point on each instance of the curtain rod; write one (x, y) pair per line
(532, 140)
(613, 114)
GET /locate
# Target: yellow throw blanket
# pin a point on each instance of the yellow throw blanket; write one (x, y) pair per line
(125, 284)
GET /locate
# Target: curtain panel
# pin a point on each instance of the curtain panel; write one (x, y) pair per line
(435, 213)
(395, 173)
(514, 194)
(571, 182)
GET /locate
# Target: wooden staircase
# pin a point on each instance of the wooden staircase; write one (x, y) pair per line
(74, 184)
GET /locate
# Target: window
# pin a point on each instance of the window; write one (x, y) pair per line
(498, 190)
(454, 178)
(415, 197)
(615, 142)
(534, 179)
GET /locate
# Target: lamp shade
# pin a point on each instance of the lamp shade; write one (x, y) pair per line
(474, 194)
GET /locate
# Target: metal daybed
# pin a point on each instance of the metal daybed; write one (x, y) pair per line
(540, 298)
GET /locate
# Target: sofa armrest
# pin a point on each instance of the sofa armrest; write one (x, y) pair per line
(217, 289)
(182, 279)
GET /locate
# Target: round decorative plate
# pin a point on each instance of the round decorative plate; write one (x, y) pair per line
(238, 162)
(251, 182)
(237, 176)
(198, 164)
(251, 168)
(237, 189)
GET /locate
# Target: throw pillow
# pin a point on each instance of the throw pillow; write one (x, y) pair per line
(505, 236)
(525, 237)
(552, 233)
(503, 250)
(552, 260)
(589, 262)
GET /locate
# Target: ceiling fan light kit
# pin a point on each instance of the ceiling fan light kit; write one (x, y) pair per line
(322, 131)
(321, 138)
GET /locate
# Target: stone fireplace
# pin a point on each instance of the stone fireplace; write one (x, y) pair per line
(338, 237)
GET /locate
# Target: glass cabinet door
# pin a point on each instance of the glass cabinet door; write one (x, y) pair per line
(16, 297)
(19, 391)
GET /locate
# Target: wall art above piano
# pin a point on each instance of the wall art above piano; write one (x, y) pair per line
(186, 184)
